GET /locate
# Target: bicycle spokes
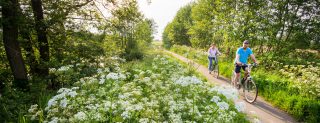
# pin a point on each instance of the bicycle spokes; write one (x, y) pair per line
(250, 91)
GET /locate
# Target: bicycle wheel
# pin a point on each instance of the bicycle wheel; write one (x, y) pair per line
(216, 71)
(250, 91)
(233, 81)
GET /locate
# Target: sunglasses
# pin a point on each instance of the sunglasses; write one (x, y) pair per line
(246, 43)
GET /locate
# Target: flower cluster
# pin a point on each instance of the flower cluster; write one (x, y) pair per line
(161, 93)
(188, 80)
(228, 91)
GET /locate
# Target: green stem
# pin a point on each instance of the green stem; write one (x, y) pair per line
(110, 109)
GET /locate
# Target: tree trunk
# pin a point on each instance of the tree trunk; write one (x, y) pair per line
(24, 31)
(30, 57)
(42, 36)
(10, 41)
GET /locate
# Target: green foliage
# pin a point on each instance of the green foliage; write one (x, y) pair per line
(201, 30)
(15, 103)
(305, 78)
(167, 41)
(273, 26)
(176, 32)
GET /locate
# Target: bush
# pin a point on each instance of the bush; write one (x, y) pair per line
(133, 54)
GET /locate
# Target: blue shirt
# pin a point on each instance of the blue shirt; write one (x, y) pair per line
(243, 54)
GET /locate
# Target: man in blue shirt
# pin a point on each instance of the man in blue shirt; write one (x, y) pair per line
(241, 60)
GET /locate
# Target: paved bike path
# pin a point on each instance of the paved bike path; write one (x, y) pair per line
(259, 111)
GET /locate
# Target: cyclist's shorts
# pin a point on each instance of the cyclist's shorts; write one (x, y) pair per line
(238, 68)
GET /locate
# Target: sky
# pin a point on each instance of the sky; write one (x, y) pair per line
(161, 11)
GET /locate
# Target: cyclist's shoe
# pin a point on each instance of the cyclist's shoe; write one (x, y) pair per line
(238, 86)
(209, 72)
(242, 80)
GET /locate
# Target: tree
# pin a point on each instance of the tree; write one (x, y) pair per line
(167, 42)
(126, 19)
(41, 29)
(181, 25)
(10, 40)
(202, 15)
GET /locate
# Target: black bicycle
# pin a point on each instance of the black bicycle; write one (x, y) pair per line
(249, 87)
(215, 71)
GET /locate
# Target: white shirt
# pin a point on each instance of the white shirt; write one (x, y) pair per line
(213, 52)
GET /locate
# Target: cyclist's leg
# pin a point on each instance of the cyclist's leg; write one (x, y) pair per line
(210, 64)
(245, 69)
(237, 70)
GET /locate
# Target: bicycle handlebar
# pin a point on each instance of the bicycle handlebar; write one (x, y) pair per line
(254, 64)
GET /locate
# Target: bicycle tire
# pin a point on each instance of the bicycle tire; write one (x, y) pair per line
(233, 82)
(250, 91)
(232, 79)
(216, 71)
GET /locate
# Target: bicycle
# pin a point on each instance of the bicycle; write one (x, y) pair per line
(249, 87)
(216, 68)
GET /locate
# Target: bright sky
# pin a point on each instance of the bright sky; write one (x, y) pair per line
(161, 11)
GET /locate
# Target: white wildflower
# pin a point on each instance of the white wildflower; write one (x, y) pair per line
(232, 113)
(113, 76)
(125, 115)
(72, 93)
(54, 120)
(80, 116)
(256, 120)
(63, 103)
(223, 105)
(228, 92)
(102, 80)
(143, 120)
(99, 70)
(74, 88)
(117, 68)
(215, 99)
(240, 106)
(185, 81)
(62, 90)
(51, 102)
(64, 68)
(146, 79)
(33, 108)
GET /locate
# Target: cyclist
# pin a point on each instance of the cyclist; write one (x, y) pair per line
(241, 59)
(212, 52)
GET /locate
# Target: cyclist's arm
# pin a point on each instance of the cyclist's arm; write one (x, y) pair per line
(238, 59)
(254, 58)
(219, 53)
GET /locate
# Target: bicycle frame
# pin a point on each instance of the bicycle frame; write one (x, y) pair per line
(247, 76)
(249, 71)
